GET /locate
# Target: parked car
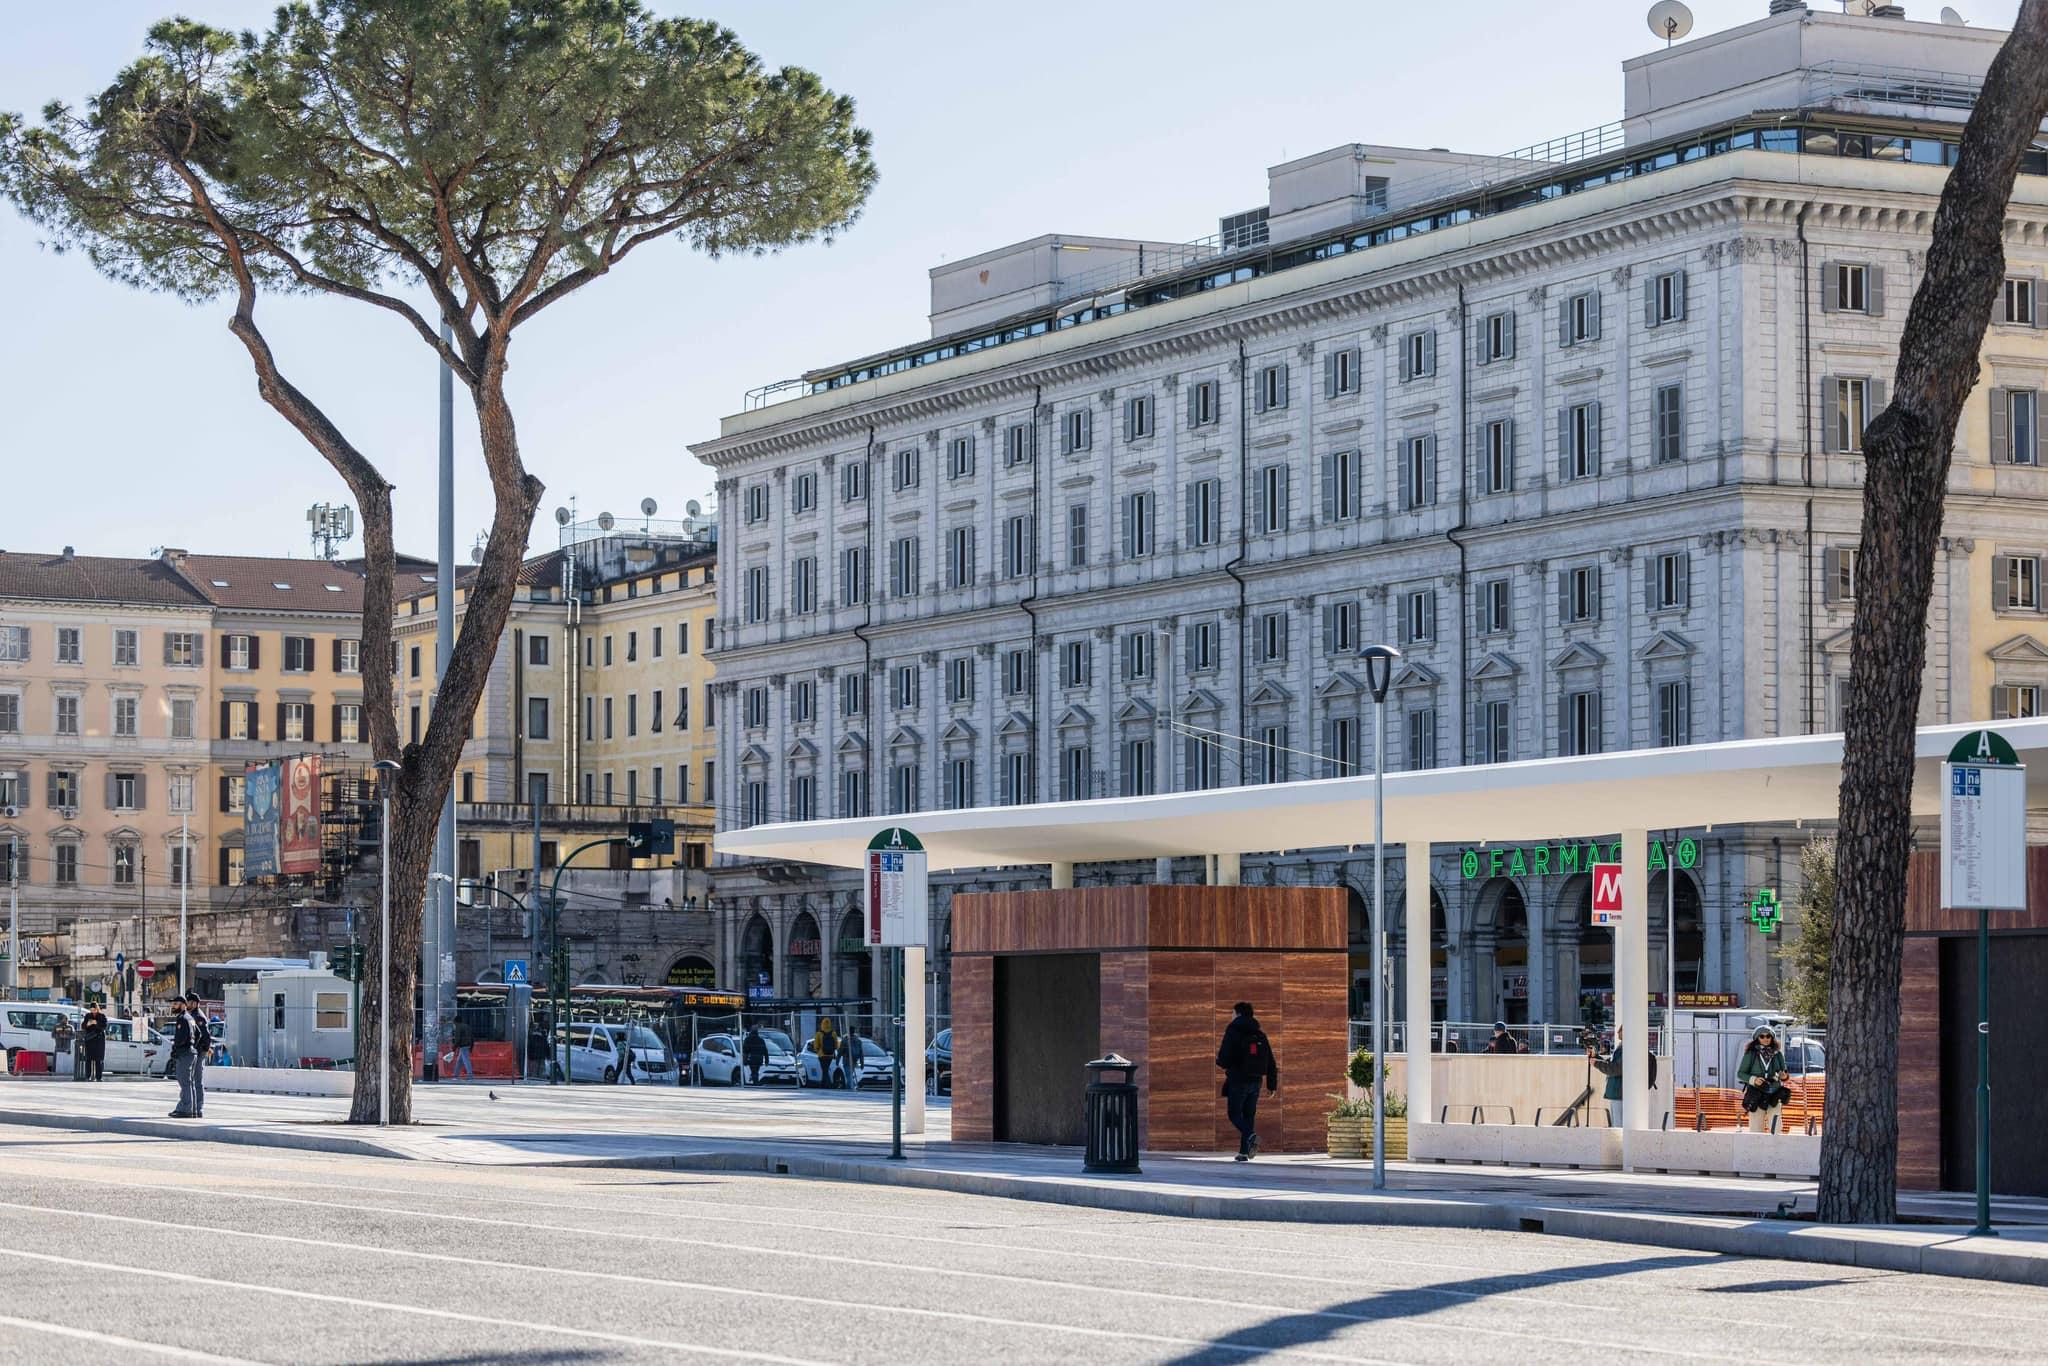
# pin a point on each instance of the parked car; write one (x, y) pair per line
(718, 1060)
(594, 1052)
(873, 1064)
(651, 1060)
(938, 1065)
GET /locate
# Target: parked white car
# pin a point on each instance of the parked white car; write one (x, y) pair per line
(719, 1061)
(595, 1052)
(652, 1062)
(873, 1065)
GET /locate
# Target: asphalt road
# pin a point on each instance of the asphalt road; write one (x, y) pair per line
(167, 1250)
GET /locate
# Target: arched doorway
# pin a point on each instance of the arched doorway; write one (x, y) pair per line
(1585, 963)
(804, 976)
(1501, 951)
(854, 963)
(691, 970)
(1359, 915)
(757, 954)
(1439, 958)
(1685, 901)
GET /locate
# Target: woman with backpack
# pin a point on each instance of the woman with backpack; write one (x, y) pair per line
(1762, 1073)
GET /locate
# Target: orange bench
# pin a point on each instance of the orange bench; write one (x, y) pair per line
(1707, 1107)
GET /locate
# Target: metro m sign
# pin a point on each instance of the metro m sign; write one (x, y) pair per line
(1606, 894)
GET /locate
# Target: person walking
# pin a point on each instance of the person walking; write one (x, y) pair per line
(825, 1043)
(181, 1061)
(92, 1042)
(465, 1039)
(202, 1050)
(1762, 1073)
(1246, 1057)
(753, 1054)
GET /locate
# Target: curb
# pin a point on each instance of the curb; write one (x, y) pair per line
(1959, 1256)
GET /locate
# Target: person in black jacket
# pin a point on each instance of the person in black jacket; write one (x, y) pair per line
(1246, 1057)
(92, 1043)
(753, 1054)
(182, 1061)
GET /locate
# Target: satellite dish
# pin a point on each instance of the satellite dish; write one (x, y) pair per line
(604, 521)
(476, 554)
(561, 516)
(1670, 20)
(1951, 18)
(693, 507)
(646, 507)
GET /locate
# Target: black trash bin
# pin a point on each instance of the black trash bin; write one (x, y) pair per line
(1111, 1115)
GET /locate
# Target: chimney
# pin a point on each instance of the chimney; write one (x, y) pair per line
(68, 552)
(1787, 6)
(1888, 12)
(173, 557)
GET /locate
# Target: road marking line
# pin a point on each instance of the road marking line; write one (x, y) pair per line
(662, 1282)
(115, 1340)
(355, 1303)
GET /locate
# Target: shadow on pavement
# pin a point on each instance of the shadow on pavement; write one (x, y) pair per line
(1306, 1329)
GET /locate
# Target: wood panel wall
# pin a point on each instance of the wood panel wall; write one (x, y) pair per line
(1920, 1065)
(1924, 914)
(1174, 960)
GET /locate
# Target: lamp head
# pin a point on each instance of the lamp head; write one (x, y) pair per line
(1379, 668)
(388, 765)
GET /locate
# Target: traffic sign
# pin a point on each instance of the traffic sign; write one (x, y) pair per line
(144, 969)
(898, 890)
(515, 970)
(1606, 893)
(1984, 834)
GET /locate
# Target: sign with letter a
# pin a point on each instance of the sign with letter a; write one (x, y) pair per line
(1606, 893)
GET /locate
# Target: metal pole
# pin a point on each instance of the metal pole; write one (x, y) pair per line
(14, 918)
(384, 966)
(1162, 869)
(1671, 951)
(1379, 945)
(896, 1084)
(438, 945)
(185, 974)
(1983, 1229)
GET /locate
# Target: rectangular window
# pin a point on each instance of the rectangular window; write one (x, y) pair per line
(853, 792)
(348, 656)
(853, 582)
(64, 864)
(1139, 524)
(756, 503)
(607, 718)
(125, 858)
(295, 714)
(1422, 738)
(1495, 596)
(10, 720)
(1674, 713)
(904, 782)
(960, 679)
(2015, 701)
(803, 797)
(803, 591)
(127, 648)
(1203, 647)
(1020, 782)
(632, 646)
(126, 712)
(1497, 469)
(1017, 444)
(1077, 430)
(903, 686)
(1272, 387)
(803, 702)
(241, 720)
(1205, 403)
(1272, 637)
(13, 644)
(1136, 778)
(1579, 594)
(1579, 319)
(1140, 656)
(960, 557)
(1017, 672)
(1668, 419)
(69, 648)
(853, 695)
(64, 787)
(1074, 774)
(1497, 338)
(1203, 757)
(903, 567)
(960, 457)
(1581, 723)
(908, 465)
(682, 637)
(657, 630)
(67, 716)
(124, 791)
(1495, 741)
(184, 718)
(959, 782)
(1838, 583)
(1077, 536)
(2021, 579)
(2015, 427)
(348, 721)
(608, 639)
(754, 707)
(298, 654)
(1340, 746)
(1343, 486)
(241, 652)
(1138, 417)
(1579, 437)
(1271, 763)
(1418, 355)
(1341, 374)
(754, 603)
(1269, 498)
(1076, 664)
(853, 479)
(1671, 582)
(1020, 545)
(590, 718)
(2019, 302)
(803, 495)
(1418, 616)
(180, 789)
(1418, 472)
(1205, 512)
(1664, 298)
(754, 802)
(632, 714)
(1851, 288)
(1340, 627)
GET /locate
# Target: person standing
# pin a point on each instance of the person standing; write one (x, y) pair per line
(63, 1043)
(181, 1060)
(465, 1039)
(92, 1042)
(1246, 1057)
(1610, 1067)
(1762, 1073)
(1503, 1042)
(825, 1043)
(202, 1050)
(753, 1054)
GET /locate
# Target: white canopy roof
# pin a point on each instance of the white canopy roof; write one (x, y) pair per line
(1736, 782)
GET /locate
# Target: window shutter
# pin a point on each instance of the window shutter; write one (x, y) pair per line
(1650, 301)
(1259, 404)
(2001, 426)
(1564, 445)
(1564, 596)
(1678, 314)
(223, 725)
(1593, 438)
(167, 647)
(1564, 322)
(1188, 660)
(1407, 368)
(1653, 572)
(50, 790)
(223, 793)
(1130, 419)
(222, 863)
(1329, 628)
(1593, 723)
(1479, 336)
(1330, 488)
(1874, 290)
(1192, 526)
(1283, 509)
(2040, 317)
(337, 654)
(1130, 526)
(1598, 596)
(1507, 335)
(1429, 352)
(1429, 616)
(1830, 288)
(280, 720)
(1564, 723)
(110, 790)
(1330, 375)
(1999, 710)
(1284, 619)
(2001, 582)
(1873, 401)
(1356, 477)
(255, 721)
(1259, 502)
(1401, 468)
(334, 719)
(225, 638)
(142, 792)
(2040, 434)
(1828, 390)
(1508, 439)
(1593, 315)
(1831, 574)
(1480, 625)
(1685, 580)
(1429, 471)
(1194, 404)
(1087, 428)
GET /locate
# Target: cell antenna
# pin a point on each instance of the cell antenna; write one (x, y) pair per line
(1670, 20)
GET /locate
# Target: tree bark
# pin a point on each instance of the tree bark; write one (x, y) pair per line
(1906, 462)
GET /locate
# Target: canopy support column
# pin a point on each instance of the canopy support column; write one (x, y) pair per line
(1632, 984)
(1062, 877)
(1421, 1104)
(1224, 869)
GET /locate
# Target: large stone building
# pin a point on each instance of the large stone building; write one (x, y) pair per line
(1577, 428)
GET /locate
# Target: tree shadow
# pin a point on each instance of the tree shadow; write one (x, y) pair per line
(1310, 1327)
(1773, 1287)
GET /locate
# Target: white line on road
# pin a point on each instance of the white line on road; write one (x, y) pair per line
(743, 1292)
(65, 1330)
(351, 1301)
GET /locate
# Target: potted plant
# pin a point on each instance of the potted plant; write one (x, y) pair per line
(1360, 1072)
(1350, 1127)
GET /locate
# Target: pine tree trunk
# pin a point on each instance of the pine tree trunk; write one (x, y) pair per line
(414, 824)
(1906, 459)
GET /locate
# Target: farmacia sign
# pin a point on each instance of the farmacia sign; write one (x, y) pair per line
(1542, 860)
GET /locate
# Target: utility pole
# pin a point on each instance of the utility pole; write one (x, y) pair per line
(14, 915)
(437, 945)
(187, 979)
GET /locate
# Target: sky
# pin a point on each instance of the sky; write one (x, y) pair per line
(130, 421)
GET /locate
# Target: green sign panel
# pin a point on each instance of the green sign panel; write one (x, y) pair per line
(1541, 860)
(895, 837)
(1764, 911)
(1985, 749)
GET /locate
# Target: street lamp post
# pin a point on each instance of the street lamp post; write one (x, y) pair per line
(388, 768)
(560, 988)
(1379, 672)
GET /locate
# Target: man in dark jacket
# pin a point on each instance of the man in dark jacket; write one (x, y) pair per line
(1246, 1057)
(1504, 1042)
(753, 1054)
(202, 1049)
(182, 1061)
(92, 1042)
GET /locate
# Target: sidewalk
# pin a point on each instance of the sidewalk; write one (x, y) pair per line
(834, 1136)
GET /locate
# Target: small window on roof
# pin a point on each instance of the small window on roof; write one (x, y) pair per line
(332, 587)
(284, 587)
(220, 583)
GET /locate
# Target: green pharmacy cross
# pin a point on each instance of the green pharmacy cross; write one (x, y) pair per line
(1764, 911)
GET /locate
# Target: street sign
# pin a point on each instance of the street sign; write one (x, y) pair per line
(898, 890)
(515, 970)
(144, 969)
(1983, 836)
(1606, 894)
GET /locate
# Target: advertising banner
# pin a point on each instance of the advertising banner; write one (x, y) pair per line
(298, 832)
(260, 806)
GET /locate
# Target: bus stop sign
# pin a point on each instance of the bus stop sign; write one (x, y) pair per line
(898, 890)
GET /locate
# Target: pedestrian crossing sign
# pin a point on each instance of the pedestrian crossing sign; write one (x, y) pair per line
(515, 970)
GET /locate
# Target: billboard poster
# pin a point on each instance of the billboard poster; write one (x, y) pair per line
(298, 829)
(260, 806)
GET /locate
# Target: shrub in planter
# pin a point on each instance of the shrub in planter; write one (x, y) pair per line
(1349, 1127)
